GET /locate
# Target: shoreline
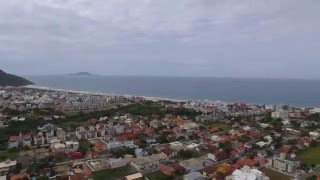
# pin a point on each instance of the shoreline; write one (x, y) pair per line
(103, 94)
(149, 98)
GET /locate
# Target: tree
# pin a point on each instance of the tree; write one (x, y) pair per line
(202, 127)
(84, 146)
(187, 154)
(313, 143)
(119, 152)
(314, 177)
(227, 146)
(181, 138)
(163, 139)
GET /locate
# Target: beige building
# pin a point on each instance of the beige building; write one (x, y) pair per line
(283, 164)
(149, 162)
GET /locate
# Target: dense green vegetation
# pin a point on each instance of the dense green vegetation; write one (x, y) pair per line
(310, 156)
(12, 80)
(84, 146)
(187, 154)
(120, 152)
(8, 155)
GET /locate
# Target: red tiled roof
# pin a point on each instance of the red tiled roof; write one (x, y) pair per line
(285, 149)
(18, 138)
(178, 168)
(254, 134)
(241, 149)
(225, 138)
(210, 170)
(234, 153)
(77, 177)
(20, 176)
(214, 129)
(124, 137)
(246, 161)
(169, 171)
(234, 167)
(168, 151)
(260, 160)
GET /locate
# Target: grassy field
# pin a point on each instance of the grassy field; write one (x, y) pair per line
(222, 126)
(8, 155)
(158, 175)
(113, 173)
(311, 155)
(274, 175)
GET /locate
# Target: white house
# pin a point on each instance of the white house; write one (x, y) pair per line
(72, 146)
(246, 173)
(81, 133)
(212, 157)
(314, 134)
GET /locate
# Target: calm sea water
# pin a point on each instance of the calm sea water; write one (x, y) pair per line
(303, 93)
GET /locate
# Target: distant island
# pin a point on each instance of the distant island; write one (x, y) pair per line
(81, 74)
(12, 80)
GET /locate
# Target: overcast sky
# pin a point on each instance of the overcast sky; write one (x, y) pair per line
(228, 38)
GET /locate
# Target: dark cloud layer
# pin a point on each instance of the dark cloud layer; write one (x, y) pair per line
(248, 38)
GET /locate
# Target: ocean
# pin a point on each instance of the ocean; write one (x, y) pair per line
(299, 93)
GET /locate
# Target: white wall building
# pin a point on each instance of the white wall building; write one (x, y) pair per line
(246, 173)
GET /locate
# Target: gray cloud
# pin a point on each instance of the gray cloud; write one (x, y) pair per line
(235, 38)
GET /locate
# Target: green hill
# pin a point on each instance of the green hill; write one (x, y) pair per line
(12, 80)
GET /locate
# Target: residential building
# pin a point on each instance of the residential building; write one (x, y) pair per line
(72, 146)
(155, 123)
(246, 173)
(119, 129)
(167, 170)
(282, 163)
(116, 163)
(81, 133)
(193, 176)
(39, 139)
(170, 152)
(20, 141)
(193, 164)
(149, 162)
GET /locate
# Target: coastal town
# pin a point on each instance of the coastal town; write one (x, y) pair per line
(52, 134)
